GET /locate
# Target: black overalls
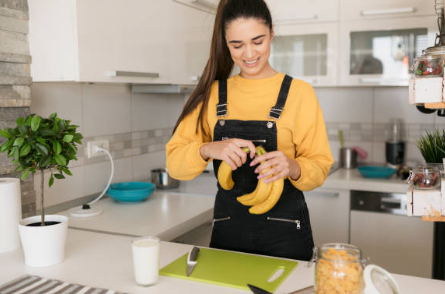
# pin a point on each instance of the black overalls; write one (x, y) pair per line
(285, 230)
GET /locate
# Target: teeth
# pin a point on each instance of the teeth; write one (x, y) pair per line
(250, 62)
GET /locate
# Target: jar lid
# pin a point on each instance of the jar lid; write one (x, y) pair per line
(379, 281)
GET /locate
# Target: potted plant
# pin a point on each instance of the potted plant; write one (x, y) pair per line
(37, 145)
(432, 146)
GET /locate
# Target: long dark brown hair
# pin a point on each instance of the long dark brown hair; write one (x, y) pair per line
(220, 64)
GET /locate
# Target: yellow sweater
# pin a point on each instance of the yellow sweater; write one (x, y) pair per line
(301, 130)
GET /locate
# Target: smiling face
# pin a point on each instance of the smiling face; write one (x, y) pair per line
(249, 42)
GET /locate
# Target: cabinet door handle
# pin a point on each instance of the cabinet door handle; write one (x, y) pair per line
(203, 3)
(389, 11)
(297, 18)
(385, 81)
(120, 73)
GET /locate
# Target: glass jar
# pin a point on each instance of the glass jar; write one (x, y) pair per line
(426, 177)
(338, 269)
(428, 66)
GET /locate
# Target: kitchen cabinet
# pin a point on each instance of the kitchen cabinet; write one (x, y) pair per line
(307, 52)
(329, 215)
(380, 52)
(113, 41)
(203, 5)
(362, 10)
(299, 11)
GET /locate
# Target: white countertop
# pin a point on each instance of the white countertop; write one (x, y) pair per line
(105, 261)
(350, 179)
(164, 214)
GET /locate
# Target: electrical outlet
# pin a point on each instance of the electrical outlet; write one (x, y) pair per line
(105, 144)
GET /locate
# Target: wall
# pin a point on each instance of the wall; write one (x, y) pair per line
(15, 81)
(139, 125)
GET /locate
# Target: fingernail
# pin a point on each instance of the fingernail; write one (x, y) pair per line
(259, 177)
(256, 171)
(251, 164)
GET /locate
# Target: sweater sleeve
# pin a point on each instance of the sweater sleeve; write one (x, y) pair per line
(312, 146)
(184, 161)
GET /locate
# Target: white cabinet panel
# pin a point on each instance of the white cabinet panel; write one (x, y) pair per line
(329, 214)
(307, 52)
(380, 52)
(203, 5)
(400, 244)
(296, 11)
(154, 41)
(353, 9)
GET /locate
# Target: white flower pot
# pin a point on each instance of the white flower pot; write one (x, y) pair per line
(44, 246)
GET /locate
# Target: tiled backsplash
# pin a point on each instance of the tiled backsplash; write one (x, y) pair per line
(139, 125)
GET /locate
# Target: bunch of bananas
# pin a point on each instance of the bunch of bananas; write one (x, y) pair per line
(265, 196)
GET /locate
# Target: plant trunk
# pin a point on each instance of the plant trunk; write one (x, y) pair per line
(42, 186)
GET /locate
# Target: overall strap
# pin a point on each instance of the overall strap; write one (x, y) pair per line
(221, 107)
(276, 110)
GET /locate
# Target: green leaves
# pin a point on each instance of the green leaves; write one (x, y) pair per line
(35, 123)
(38, 143)
(5, 134)
(432, 146)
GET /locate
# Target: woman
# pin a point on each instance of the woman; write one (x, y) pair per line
(258, 106)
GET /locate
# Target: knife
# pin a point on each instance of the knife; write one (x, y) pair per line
(257, 290)
(191, 260)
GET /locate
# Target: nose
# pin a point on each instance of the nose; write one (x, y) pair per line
(249, 52)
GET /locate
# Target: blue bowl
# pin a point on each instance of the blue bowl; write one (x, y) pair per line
(376, 171)
(131, 191)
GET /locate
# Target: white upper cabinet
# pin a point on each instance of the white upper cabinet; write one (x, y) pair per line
(307, 52)
(381, 52)
(355, 9)
(125, 41)
(204, 5)
(192, 34)
(297, 11)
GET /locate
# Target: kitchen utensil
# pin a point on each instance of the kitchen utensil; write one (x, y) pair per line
(422, 109)
(257, 290)
(233, 269)
(341, 139)
(191, 260)
(130, 191)
(426, 177)
(348, 158)
(370, 171)
(162, 179)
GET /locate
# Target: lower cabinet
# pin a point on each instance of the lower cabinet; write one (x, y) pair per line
(199, 236)
(329, 214)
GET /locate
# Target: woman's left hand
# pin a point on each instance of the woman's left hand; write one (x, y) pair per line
(280, 165)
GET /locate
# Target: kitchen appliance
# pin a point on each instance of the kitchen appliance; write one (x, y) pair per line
(162, 179)
(233, 269)
(395, 147)
(380, 227)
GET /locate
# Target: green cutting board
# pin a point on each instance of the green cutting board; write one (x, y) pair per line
(232, 269)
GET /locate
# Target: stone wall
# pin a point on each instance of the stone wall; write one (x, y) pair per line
(15, 82)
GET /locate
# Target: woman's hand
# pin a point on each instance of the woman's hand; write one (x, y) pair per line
(280, 165)
(228, 150)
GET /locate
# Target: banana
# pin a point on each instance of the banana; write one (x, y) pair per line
(262, 189)
(259, 195)
(272, 199)
(225, 174)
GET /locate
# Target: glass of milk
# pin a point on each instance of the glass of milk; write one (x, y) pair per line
(146, 260)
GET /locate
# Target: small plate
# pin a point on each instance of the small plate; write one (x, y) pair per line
(371, 171)
(131, 191)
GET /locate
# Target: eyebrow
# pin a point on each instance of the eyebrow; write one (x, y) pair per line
(253, 39)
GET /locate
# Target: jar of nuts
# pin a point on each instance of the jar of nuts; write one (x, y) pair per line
(339, 269)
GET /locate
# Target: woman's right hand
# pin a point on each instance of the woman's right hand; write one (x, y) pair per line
(228, 150)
